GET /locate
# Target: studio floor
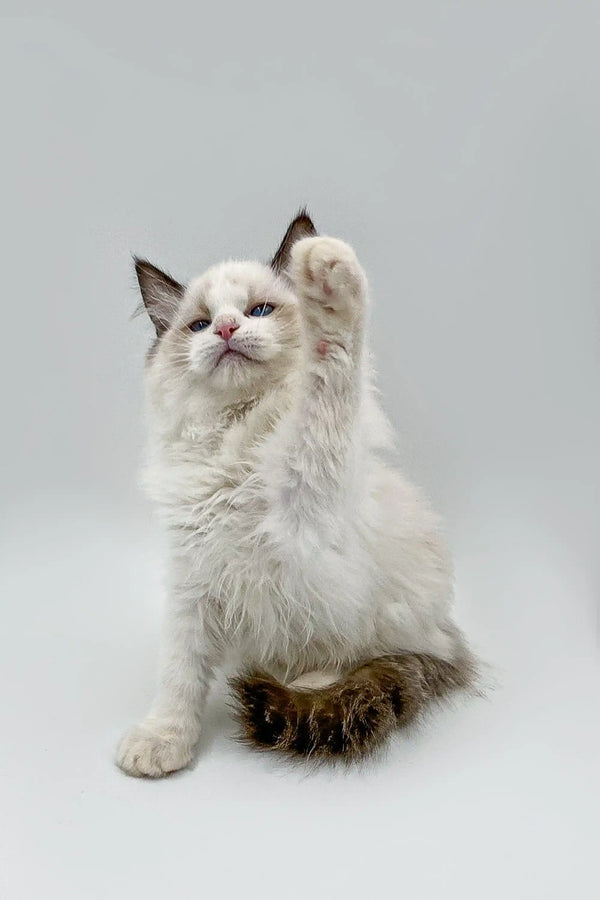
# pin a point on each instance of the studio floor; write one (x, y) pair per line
(495, 797)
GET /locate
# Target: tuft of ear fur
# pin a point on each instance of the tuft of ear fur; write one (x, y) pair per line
(352, 717)
(161, 294)
(300, 227)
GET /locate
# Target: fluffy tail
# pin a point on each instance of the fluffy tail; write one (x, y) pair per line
(351, 717)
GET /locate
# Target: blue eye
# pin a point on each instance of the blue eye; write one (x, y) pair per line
(265, 309)
(200, 325)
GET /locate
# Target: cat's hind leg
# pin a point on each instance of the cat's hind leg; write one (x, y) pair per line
(317, 679)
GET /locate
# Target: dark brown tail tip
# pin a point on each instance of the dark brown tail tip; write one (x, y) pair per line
(351, 718)
(347, 720)
(263, 708)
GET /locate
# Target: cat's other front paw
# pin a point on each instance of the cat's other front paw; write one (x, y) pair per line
(329, 279)
(151, 751)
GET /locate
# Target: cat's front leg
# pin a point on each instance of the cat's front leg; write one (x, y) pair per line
(165, 740)
(333, 290)
(316, 449)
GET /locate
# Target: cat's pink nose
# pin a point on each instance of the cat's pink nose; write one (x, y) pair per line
(226, 329)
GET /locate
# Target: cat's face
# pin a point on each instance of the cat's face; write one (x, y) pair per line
(235, 329)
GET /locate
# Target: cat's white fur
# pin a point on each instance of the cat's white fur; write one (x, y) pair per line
(294, 546)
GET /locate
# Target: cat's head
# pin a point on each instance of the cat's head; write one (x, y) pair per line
(235, 329)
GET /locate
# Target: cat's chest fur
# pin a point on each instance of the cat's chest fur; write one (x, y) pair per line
(207, 481)
(210, 485)
(206, 476)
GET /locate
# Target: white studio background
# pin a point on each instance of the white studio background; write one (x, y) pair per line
(456, 145)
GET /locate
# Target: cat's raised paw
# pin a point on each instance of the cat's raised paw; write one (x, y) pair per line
(326, 271)
(152, 753)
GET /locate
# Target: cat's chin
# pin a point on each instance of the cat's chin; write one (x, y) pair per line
(234, 368)
(236, 372)
(233, 355)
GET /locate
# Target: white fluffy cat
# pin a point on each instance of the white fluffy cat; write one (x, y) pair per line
(294, 548)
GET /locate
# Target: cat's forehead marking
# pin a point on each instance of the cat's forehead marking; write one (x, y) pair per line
(226, 291)
(231, 283)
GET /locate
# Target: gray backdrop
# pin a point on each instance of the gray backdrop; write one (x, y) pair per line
(456, 145)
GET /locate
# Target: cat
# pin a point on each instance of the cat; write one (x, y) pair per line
(295, 550)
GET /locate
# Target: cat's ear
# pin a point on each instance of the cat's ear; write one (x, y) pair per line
(161, 294)
(300, 227)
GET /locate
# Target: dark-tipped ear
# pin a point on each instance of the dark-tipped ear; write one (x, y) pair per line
(300, 227)
(161, 294)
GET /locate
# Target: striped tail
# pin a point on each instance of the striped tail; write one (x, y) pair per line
(351, 717)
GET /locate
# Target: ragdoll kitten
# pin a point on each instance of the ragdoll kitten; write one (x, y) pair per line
(294, 548)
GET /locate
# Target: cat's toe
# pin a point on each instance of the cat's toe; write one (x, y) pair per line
(327, 271)
(152, 754)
